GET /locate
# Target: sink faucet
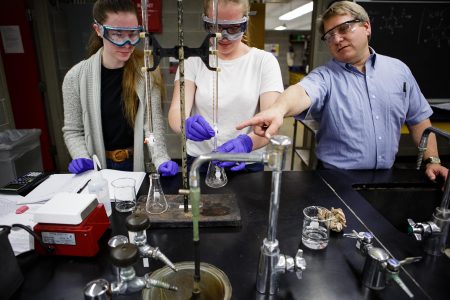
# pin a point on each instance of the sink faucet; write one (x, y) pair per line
(137, 224)
(123, 256)
(271, 262)
(379, 269)
(433, 232)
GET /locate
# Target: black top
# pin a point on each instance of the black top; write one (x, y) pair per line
(409, 30)
(117, 133)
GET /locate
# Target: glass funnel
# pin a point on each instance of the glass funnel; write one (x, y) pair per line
(156, 201)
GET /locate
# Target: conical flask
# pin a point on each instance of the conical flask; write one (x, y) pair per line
(156, 201)
(216, 176)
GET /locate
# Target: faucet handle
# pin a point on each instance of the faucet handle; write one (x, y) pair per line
(137, 222)
(364, 240)
(98, 289)
(422, 230)
(410, 260)
(300, 264)
(124, 255)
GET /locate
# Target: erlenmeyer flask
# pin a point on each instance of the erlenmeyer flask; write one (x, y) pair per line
(156, 201)
(216, 176)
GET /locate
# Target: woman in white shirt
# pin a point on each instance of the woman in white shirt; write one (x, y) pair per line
(249, 81)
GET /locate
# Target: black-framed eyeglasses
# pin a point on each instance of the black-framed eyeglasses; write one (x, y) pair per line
(340, 29)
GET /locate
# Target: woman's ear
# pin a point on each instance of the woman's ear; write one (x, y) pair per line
(97, 29)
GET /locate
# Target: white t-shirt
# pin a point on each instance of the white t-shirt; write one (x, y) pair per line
(241, 82)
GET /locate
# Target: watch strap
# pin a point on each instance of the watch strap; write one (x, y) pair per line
(432, 160)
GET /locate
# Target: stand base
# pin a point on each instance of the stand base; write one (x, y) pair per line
(217, 210)
(214, 284)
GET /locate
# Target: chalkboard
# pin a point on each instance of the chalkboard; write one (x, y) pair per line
(417, 33)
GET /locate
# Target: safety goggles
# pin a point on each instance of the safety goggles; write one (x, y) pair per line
(120, 36)
(230, 29)
(340, 29)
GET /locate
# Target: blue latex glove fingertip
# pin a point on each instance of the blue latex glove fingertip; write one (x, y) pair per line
(239, 167)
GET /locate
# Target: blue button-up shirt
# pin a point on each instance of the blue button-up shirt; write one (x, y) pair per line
(361, 114)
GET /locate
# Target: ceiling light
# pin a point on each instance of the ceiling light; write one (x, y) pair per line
(281, 27)
(299, 11)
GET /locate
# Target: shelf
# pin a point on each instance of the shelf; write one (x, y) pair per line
(304, 155)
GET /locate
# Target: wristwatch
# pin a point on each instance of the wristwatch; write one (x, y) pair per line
(432, 160)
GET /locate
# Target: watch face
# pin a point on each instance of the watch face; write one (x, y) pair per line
(433, 160)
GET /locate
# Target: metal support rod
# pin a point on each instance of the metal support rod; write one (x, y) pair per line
(147, 75)
(184, 173)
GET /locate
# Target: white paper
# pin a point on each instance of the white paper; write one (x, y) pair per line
(71, 183)
(11, 38)
(53, 184)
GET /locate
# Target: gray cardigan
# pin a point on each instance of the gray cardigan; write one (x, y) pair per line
(82, 129)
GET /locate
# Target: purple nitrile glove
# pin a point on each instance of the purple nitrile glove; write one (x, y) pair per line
(168, 168)
(198, 129)
(242, 144)
(80, 165)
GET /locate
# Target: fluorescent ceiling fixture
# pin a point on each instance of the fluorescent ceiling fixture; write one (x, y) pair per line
(299, 11)
(281, 27)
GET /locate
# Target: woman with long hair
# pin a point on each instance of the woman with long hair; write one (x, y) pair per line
(104, 98)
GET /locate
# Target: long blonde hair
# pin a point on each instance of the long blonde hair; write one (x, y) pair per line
(132, 69)
(245, 10)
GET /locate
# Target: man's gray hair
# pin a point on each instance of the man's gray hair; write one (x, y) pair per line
(342, 8)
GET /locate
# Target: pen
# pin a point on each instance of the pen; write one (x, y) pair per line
(82, 188)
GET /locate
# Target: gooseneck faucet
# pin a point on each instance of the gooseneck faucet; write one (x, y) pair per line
(433, 232)
(271, 262)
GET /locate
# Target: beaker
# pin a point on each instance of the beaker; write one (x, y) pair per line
(124, 194)
(216, 176)
(156, 201)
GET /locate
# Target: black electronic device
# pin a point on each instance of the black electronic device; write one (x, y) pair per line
(23, 184)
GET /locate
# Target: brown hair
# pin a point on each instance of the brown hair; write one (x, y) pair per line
(132, 69)
(245, 10)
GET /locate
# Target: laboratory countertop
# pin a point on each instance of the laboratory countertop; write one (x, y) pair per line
(332, 273)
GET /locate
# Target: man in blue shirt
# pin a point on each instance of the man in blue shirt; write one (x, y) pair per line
(360, 98)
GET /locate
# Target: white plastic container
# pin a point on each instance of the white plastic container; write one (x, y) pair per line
(99, 186)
